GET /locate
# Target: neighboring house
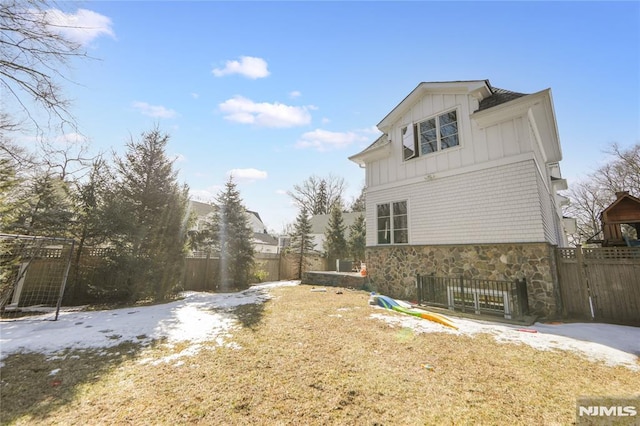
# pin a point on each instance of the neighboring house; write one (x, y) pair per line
(320, 224)
(464, 181)
(262, 241)
(203, 212)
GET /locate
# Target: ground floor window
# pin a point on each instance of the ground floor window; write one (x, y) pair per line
(392, 223)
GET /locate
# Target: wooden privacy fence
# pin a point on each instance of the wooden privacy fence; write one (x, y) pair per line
(602, 284)
(201, 270)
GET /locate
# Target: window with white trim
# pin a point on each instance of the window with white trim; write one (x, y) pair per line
(392, 224)
(434, 134)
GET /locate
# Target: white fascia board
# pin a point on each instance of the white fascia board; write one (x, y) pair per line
(561, 200)
(559, 184)
(477, 88)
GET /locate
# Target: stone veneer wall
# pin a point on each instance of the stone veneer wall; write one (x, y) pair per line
(392, 270)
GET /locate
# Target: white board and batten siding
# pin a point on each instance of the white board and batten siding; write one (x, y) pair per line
(477, 145)
(492, 188)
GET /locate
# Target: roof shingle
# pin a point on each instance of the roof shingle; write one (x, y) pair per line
(499, 96)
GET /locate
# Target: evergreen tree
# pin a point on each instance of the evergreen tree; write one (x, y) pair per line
(90, 198)
(357, 239)
(232, 236)
(301, 240)
(8, 200)
(320, 203)
(335, 242)
(149, 208)
(47, 208)
(92, 223)
(8, 205)
(359, 204)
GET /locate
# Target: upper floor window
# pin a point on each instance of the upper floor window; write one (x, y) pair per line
(431, 135)
(392, 226)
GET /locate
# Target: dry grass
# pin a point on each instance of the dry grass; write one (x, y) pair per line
(312, 358)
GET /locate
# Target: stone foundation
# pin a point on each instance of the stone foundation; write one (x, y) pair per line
(335, 279)
(392, 270)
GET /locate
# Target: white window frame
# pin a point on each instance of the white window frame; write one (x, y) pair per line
(411, 138)
(390, 226)
(409, 142)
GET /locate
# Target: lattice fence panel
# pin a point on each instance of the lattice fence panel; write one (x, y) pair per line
(33, 273)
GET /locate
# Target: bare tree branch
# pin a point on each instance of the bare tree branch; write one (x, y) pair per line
(589, 197)
(33, 57)
(318, 195)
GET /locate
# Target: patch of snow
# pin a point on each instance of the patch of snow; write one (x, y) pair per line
(611, 344)
(197, 318)
(203, 319)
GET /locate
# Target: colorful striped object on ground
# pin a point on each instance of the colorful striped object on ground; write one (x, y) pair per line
(389, 303)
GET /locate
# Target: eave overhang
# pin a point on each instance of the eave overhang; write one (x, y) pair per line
(370, 154)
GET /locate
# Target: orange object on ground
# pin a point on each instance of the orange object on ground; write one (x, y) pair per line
(363, 270)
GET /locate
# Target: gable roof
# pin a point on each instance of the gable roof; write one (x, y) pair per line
(498, 96)
(487, 95)
(478, 88)
(494, 104)
(202, 209)
(625, 209)
(264, 238)
(380, 147)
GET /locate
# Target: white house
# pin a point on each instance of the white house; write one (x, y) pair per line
(262, 241)
(464, 181)
(320, 223)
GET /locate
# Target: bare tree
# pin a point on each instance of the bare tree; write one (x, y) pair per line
(33, 56)
(622, 173)
(590, 196)
(67, 157)
(319, 195)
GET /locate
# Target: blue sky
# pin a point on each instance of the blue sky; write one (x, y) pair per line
(275, 92)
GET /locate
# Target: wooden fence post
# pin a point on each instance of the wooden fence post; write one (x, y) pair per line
(206, 270)
(584, 283)
(464, 302)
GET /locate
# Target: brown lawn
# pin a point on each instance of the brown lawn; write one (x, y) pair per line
(311, 358)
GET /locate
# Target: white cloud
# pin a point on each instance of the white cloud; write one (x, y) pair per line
(195, 95)
(324, 140)
(295, 94)
(156, 111)
(247, 175)
(81, 27)
(372, 130)
(70, 138)
(281, 191)
(264, 114)
(248, 66)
